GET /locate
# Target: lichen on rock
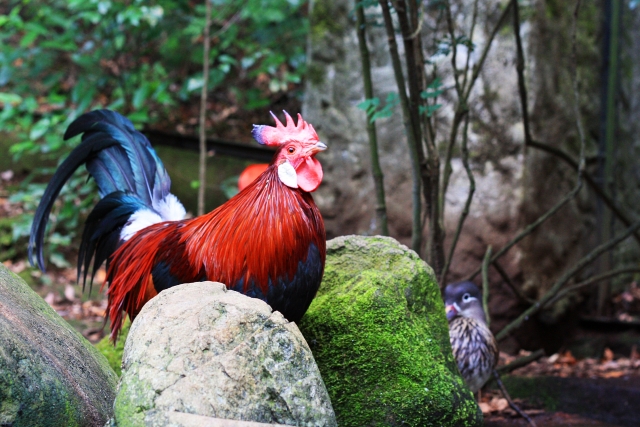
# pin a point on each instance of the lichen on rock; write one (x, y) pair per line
(379, 334)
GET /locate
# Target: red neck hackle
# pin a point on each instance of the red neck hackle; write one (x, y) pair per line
(281, 134)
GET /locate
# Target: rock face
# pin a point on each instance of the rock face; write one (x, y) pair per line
(203, 350)
(49, 374)
(378, 332)
(514, 186)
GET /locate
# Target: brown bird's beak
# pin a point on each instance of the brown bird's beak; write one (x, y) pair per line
(320, 146)
(451, 312)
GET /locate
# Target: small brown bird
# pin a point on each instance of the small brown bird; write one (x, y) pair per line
(474, 346)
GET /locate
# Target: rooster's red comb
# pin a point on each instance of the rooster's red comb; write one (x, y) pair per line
(281, 134)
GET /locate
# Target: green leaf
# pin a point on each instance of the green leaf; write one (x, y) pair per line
(139, 97)
(10, 98)
(386, 111)
(369, 105)
(429, 109)
(58, 260)
(40, 128)
(194, 83)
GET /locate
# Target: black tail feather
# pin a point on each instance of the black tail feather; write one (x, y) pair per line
(129, 174)
(101, 235)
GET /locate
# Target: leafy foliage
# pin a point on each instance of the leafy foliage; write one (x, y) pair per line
(60, 58)
(375, 111)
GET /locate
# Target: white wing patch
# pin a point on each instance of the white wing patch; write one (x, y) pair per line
(170, 208)
(287, 175)
(167, 209)
(139, 220)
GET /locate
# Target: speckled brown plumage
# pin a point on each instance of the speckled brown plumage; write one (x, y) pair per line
(474, 346)
(475, 350)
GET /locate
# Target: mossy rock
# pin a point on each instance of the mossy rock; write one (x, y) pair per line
(50, 375)
(378, 332)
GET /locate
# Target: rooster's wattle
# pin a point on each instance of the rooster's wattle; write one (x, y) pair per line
(267, 242)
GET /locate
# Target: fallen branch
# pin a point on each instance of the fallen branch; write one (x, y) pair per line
(520, 362)
(510, 401)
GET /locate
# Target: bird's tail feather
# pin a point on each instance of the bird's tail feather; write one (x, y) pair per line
(130, 178)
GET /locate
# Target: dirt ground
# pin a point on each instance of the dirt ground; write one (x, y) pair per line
(562, 390)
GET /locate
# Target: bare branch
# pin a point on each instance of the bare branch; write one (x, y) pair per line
(581, 163)
(510, 284)
(462, 107)
(522, 88)
(467, 204)
(531, 227)
(485, 285)
(202, 169)
(611, 204)
(474, 18)
(416, 232)
(378, 177)
(485, 51)
(564, 279)
(454, 49)
(592, 280)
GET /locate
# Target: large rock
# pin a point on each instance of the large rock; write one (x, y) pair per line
(201, 350)
(49, 374)
(379, 334)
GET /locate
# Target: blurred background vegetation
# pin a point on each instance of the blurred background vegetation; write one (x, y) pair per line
(60, 58)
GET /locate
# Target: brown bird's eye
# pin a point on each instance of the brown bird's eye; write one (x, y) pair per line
(291, 150)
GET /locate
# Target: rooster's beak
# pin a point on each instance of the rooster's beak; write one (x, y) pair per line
(320, 146)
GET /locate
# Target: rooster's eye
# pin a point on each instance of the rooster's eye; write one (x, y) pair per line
(291, 150)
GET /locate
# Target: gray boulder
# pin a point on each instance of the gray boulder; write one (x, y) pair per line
(49, 374)
(379, 334)
(199, 351)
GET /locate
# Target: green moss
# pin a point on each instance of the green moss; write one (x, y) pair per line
(113, 353)
(323, 19)
(125, 409)
(379, 335)
(539, 390)
(315, 74)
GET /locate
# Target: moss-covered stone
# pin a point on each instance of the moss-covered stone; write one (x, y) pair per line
(379, 335)
(49, 374)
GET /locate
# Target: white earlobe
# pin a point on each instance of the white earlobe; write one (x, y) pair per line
(287, 175)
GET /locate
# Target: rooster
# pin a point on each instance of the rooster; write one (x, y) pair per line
(267, 242)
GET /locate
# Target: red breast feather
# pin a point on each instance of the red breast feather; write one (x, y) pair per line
(260, 236)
